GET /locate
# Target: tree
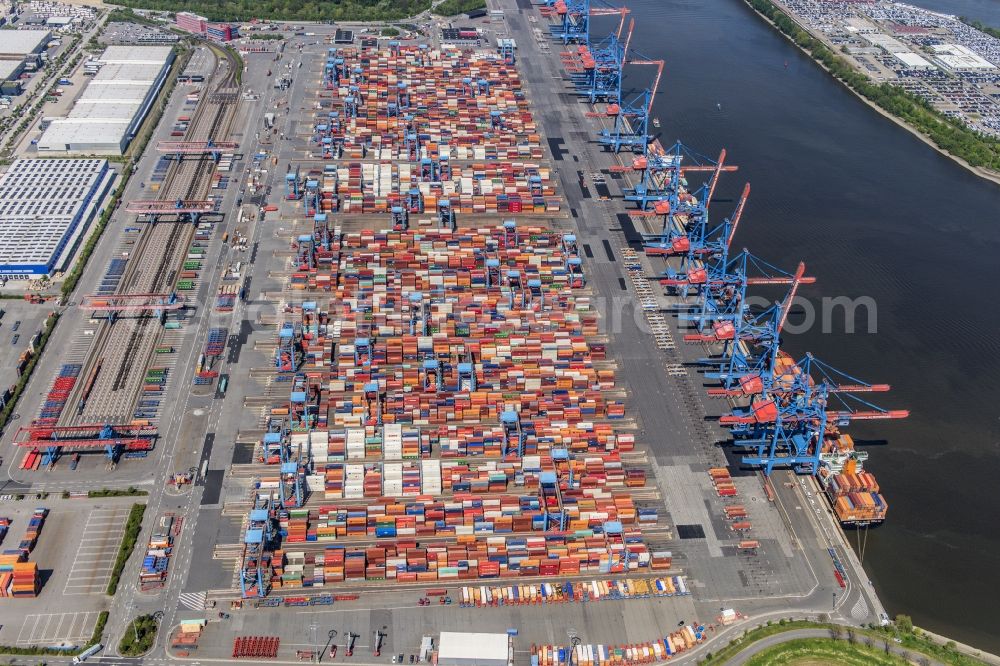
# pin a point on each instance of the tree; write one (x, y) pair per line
(904, 623)
(836, 632)
(851, 636)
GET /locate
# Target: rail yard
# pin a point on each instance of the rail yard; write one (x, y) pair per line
(415, 339)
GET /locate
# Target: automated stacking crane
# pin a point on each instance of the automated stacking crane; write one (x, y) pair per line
(257, 541)
(288, 356)
(514, 434)
(293, 183)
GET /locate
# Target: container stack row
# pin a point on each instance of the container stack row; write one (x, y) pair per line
(595, 590)
(407, 561)
(611, 655)
(412, 103)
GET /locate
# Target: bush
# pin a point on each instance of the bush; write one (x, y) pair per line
(132, 527)
(108, 492)
(138, 637)
(455, 7)
(244, 10)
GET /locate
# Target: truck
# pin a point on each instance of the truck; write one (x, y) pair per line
(268, 120)
(88, 653)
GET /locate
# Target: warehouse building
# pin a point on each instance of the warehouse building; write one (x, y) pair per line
(20, 51)
(45, 208)
(107, 116)
(473, 649)
(960, 58)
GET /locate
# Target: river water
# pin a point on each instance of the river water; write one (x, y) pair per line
(874, 213)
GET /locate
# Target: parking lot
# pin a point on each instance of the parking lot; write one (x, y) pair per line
(96, 552)
(50, 629)
(75, 552)
(31, 318)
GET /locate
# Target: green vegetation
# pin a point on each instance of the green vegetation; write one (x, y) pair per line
(823, 651)
(266, 36)
(455, 7)
(132, 527)
(390, 32)
(108, 492)
(295, 10)
(749, 637)
(844, 640)
(980, 26)
(22, 381)
(948, 134)
(139, 637)
(95, 638)
(238, 59)
(912, 638)
(126, 15)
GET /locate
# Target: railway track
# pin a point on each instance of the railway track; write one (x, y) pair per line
(125, 347)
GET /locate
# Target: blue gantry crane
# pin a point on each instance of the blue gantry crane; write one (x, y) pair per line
(631, 116)
(785, 423)
(258, 540)
(574, 19)
(603, 65)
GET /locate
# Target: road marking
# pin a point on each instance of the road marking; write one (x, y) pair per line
(96, 554)
(47, 628)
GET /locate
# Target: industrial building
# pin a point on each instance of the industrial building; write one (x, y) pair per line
(191, 22)
(473, 649)
(20, 51)
(959, 58)
(913, 61)
(45, 207)
(199, 25)
(106, 117)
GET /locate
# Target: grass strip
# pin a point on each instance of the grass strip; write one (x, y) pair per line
(132, 527)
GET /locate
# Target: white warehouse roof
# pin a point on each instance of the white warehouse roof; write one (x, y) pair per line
(911, 59)
(113, 104)
(23, 42)
(956, 56)
(136, 55)
(8, 67)
(472, 649)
